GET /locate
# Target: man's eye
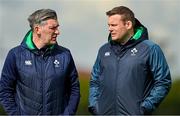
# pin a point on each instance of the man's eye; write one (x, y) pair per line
(113, 25)
(53, 28)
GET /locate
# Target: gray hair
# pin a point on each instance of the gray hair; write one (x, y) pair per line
(39, 16)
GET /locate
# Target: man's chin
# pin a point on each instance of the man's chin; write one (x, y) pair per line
(52, 43)
(114, 38)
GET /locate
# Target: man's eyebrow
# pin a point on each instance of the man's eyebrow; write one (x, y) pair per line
(52, 26)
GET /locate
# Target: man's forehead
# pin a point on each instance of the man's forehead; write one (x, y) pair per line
(115, 18)
(53, 22)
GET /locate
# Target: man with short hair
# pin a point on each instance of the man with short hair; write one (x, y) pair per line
(39, 77)
(130, 75)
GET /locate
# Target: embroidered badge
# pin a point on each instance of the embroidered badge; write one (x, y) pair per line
(56, 63)
(134, 51)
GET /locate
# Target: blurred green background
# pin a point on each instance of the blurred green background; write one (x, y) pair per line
(83, 24)
(170, 105)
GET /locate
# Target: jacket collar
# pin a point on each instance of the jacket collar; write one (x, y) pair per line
(141, 34)
(29, 44)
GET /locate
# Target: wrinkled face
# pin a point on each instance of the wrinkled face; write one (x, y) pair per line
(117, 28)
(49, 31)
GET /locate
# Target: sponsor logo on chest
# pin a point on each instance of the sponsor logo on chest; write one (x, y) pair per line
(28, 62)
(107, 54)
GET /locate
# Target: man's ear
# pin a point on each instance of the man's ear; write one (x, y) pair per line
(129, 24)
(37, 29)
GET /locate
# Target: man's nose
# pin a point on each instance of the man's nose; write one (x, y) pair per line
(57, 31)
(110, 29)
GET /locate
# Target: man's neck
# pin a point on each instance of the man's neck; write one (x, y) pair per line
(127, 37)
(37, 41)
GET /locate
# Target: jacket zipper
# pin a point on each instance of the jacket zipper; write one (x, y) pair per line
(117, 72)
(43, 77)
(117, 65)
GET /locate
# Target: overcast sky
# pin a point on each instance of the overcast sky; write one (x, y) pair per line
(83, 25)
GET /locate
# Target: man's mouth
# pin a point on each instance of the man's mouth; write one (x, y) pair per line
(54, 38)
(113, 34)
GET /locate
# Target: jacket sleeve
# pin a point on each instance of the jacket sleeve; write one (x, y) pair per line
(94, 85)
(161, 78)
(73, 89)
(8, 84)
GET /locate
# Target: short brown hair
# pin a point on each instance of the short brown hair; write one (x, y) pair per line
(126, 13)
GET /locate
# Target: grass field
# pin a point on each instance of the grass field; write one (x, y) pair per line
(84, 88)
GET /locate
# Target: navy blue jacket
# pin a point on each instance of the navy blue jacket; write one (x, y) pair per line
(38, 82)
(129, 79)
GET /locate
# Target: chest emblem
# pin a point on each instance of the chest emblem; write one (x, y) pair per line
(28, 62)
(134, 51)
(107, 54)
(56, 63)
